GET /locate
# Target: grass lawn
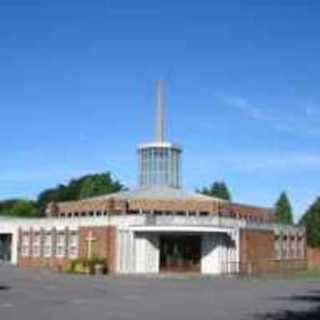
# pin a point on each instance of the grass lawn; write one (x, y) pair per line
(308, 275)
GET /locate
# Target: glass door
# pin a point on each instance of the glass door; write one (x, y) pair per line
(180, 253)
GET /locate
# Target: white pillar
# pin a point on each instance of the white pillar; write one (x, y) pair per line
(14, 247)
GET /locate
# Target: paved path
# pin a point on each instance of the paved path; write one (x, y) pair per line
(41, 295)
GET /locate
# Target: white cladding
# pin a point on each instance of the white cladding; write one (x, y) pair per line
(126, 252)
(220, 253)
(137, 252)
(147, 253)
(139, 249)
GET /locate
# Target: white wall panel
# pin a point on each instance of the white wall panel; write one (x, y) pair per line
(146, 253)
(219, 253)
(210, 254)
(141, 253)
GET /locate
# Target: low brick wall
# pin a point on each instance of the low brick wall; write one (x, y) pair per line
(313, 258)
(49, 263)
(273, 266)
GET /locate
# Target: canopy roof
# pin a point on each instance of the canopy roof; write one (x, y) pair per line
(159, 192)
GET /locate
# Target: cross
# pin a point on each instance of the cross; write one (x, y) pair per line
(90, 239)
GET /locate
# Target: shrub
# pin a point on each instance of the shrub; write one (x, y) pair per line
(85, 265)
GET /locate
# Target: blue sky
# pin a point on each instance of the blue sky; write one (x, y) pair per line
(77, 85)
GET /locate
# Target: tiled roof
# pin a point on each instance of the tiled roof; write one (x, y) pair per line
(158, 192)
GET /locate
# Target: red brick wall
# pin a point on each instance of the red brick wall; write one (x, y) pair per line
(313, 258)
(52, 263)
(256, 246)
(102, 247)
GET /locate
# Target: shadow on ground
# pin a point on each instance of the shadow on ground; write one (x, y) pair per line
(2, 288)
(311, 314)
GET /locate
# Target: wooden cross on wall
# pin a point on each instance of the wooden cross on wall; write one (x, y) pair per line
(90, 240)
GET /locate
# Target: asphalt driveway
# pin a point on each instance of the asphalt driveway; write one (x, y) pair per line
(41, 295)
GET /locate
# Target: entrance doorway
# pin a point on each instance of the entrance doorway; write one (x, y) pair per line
(5, 247)
(180, 253)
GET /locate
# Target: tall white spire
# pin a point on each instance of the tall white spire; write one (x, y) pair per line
(160, 129)
(160, 160)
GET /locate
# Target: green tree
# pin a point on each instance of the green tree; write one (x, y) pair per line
(60, 193)
(23, 208)
(99, 184)
(218, 189)
(311, 220)
(80, 188)
(283, 209)
(6, 206)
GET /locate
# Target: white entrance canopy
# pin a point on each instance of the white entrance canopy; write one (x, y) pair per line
(191, 229)
(139, 246)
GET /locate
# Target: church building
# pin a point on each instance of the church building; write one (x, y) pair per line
(157, 227)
